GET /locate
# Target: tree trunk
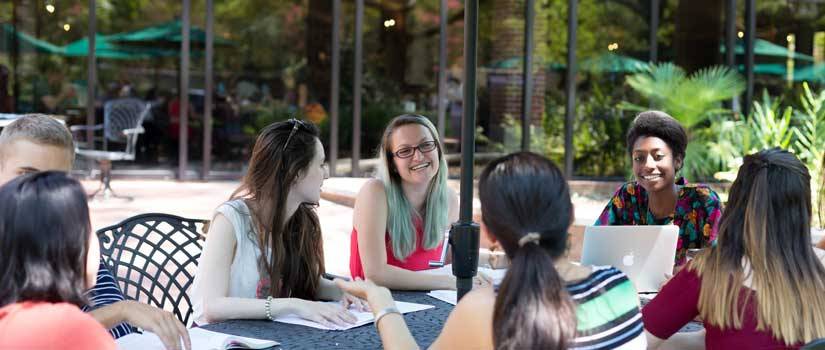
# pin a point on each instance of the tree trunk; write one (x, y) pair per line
(698, 33)
(394, 43)
(319, 50)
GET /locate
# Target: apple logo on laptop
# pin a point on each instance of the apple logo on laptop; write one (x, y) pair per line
(627, 260)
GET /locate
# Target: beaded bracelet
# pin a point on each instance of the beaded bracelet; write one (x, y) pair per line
(268, 308)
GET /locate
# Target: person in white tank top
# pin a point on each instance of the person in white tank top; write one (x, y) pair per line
(273, 211)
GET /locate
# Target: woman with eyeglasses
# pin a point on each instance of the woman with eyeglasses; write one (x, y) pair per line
(401, 216)
(263, 256)
(545, 301)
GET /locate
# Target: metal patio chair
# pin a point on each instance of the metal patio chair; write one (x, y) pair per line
(154, 258)
(122, 120)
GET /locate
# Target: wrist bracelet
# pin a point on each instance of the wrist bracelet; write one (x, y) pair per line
(268, 308)
(384, 312)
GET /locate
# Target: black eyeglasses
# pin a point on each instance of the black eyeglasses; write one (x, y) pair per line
(424, 147)
(295, 124)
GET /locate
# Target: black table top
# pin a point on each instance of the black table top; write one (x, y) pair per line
(425, 326)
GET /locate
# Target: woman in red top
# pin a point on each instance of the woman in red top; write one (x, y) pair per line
(400, 218)
(763, 284)
(49, 258)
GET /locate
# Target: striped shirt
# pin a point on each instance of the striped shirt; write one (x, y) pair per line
(607, 311)
(106, 292)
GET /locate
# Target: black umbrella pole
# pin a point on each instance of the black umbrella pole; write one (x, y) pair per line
(464, 234)
(464, 237)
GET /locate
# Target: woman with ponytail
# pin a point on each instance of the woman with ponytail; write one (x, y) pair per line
(762, 285)
(544, 301)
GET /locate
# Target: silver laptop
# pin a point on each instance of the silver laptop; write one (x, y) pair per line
(644, 253)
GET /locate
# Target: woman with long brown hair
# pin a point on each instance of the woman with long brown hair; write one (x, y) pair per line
(545, 301)
(763, 284)
(272, 211)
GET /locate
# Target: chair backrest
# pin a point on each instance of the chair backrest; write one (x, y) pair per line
(154, 258)
(122, 114)
(818, 344)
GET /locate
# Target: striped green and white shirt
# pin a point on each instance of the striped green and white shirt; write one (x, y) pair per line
(607, 309)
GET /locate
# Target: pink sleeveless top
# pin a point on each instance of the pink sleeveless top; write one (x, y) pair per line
(417, 261)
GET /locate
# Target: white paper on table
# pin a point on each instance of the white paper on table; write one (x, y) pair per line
(496, 274)
(447, 296)
(362, 317)
(201, 339)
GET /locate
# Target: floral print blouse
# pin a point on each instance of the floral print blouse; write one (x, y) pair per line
(697, 214)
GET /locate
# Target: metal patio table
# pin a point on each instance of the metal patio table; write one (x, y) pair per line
(425, 326)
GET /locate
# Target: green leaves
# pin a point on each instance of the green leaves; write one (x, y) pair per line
(691, 99)
(694, 100)
(769, 128)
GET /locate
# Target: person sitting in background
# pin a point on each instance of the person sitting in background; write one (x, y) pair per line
(272, 211)
(49, 258)
(400, 218)
(656, 144)
(762, 285)
(61, 93)
(37, 142)
(545, 301)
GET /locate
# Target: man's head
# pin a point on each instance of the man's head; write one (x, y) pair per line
(32, 143)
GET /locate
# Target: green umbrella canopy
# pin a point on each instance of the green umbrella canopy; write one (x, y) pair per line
(105, 48)
(767, 68)
(767, 48)
(165, 32)
(814, 72)
(613, 63)
(27, 42)
(518, 62)
(807, 73)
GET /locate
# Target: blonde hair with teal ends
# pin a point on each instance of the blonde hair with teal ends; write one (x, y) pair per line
(399, 210)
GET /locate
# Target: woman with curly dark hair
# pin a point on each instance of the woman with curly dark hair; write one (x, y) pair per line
(657, 144)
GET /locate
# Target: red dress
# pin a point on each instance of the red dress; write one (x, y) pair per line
(417, 261)
(41, 325)
(677, 304)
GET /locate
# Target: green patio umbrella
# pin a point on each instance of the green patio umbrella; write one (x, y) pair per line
(517, 61)
(767, 68)
(105, 48)
(169, 32)
(613, 63)
(27, 42)
(766, 48)
(812, 73)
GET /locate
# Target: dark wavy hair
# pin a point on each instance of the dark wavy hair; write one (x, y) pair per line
(659, 124)
(297, 251)
(44, 237)
(523, 193)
